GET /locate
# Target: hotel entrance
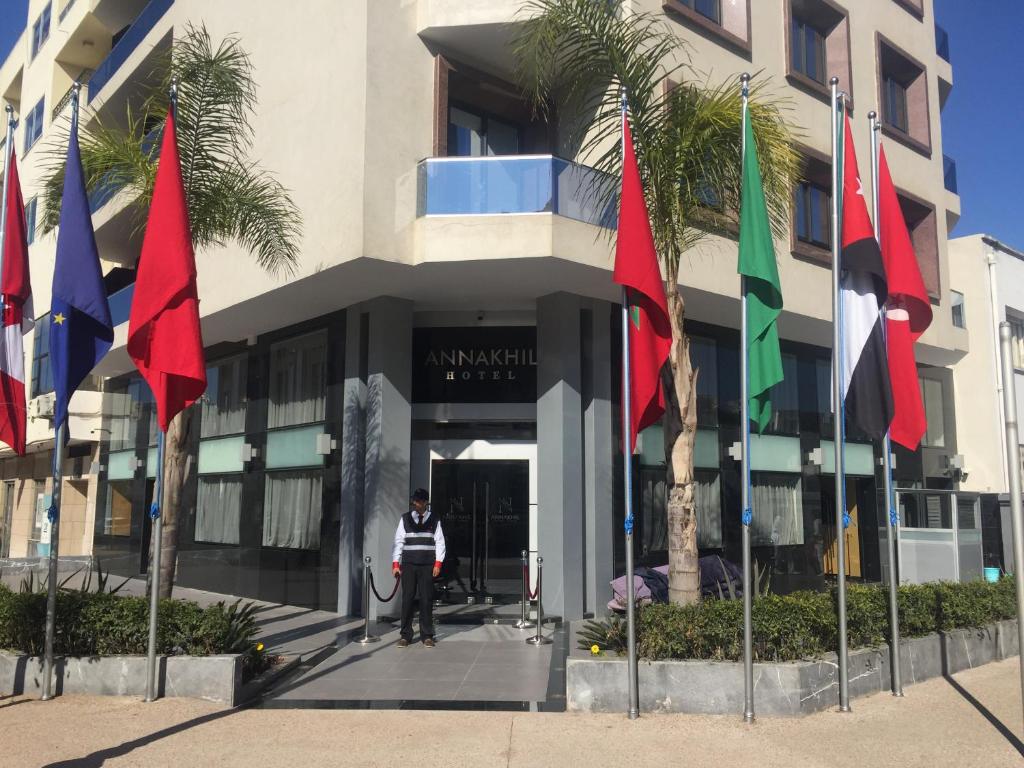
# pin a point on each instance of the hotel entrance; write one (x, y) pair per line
(484, 508)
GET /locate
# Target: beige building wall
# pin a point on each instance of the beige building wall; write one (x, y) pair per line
(991, 277)
(346, 95)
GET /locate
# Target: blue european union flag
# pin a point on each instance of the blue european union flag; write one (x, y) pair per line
(80, 327)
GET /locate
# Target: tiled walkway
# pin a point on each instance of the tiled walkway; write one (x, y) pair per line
(473, 666)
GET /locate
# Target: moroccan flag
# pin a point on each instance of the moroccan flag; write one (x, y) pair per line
(863, 291)
(761, 286)
(17, 315)
(80, 329)
(636, 269)
(908, 312)
(164, 339)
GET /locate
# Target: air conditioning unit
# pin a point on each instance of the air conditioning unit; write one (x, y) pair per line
(41, 407)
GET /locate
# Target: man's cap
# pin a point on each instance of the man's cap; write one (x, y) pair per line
(420, 494)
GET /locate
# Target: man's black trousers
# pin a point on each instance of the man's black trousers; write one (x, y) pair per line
(418, 579)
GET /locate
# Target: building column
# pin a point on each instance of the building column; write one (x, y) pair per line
(560, 521)
(598, 451)
(376, 442)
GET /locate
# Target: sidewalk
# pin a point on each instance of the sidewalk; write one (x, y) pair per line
(973, 720)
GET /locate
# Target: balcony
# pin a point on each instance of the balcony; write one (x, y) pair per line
(514, 184)
(143, 24)
(949, 174)
(942, 43)
(120, 303)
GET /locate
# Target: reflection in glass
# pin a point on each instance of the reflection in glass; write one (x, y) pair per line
(298, 381)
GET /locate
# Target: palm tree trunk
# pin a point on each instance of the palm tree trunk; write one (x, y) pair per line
(683, 570)
(176, 451)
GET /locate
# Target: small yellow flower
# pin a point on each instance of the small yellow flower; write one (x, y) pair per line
(595, 649)
(259, 646)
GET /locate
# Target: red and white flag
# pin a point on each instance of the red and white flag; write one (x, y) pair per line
(17, 315)
(908, 313)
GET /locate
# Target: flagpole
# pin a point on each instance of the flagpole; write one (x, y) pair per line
(9, 147)
(156, 530)
(837, 398)
(627, 471)
(887, 470)
(748, 599)
(53, 513)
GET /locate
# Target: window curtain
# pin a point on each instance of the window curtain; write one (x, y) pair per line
(654, 512)
(708, 498)
(224, 401)
(298, 381)
(777, 507)
(219, 510)
(291, 510)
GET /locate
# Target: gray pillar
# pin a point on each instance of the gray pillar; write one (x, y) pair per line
(560, 524)
(353, 457)
(378, 432)
(598, 451)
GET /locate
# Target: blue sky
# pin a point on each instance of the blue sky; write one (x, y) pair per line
(982, 137)
(984, 116)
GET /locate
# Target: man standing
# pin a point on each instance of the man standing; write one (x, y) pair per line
(417, 557)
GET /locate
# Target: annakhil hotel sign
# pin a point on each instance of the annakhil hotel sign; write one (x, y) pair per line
(475, 365)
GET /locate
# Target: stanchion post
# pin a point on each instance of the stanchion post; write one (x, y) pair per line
(524, 620)
(539, 639)
(367, 638)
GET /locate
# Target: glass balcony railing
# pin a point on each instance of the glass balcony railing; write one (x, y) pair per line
(949, 173)
(942, 42)
(120, 303)
(515, 184)
(119, 54)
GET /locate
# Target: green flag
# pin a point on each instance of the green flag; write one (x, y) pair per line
(762, 288)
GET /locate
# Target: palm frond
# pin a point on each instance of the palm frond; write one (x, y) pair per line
(228, 197)
(582, 56)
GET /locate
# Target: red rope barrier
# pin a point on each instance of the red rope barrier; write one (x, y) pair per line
(387, 599)
(532, 595)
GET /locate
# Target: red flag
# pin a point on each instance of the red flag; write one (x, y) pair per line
(908, 312)
(164, 339)
(636, 269)
(17, 315)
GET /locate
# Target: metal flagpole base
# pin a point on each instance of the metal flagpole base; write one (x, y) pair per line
(748, 717)
(524, 624)
(538, 640)
(368, 640)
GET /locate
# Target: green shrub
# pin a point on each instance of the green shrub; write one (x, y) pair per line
(803, 625)
(102, 624)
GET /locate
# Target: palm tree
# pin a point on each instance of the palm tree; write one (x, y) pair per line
(582, 56)
(229, 198)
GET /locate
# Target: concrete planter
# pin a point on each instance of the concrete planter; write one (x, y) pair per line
(785, 689)
(214, 678)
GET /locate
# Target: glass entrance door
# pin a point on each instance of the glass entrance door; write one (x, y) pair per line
(485, 511)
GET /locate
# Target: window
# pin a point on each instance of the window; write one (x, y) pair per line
(922, 224)
(219, 509)
(709, 9)
(785, 400)
(33, 126)
(298, 381)
(903, 95)
(30, 219)
(653, 520)
(292, 503)
(704, 356)
(117, 512)
(130, 404)
(223, 403)
(42, 376)
(894, 104)
(40, 30)
(932, 396)
(777, 506)
(807, 49)
(813, 206)
(1016, 340)
(477, 134)
(956, 303)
